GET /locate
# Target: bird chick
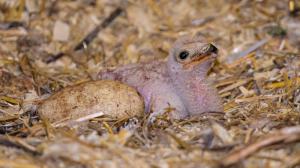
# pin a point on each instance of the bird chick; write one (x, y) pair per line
(178, 84)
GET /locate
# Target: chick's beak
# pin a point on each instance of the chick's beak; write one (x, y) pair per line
(212, 49)
(209, 53)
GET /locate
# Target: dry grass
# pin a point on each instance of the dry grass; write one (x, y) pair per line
(257, 75)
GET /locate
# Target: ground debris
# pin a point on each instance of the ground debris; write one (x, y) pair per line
(46, 46)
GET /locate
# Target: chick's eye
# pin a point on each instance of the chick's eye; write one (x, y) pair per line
(183, 55)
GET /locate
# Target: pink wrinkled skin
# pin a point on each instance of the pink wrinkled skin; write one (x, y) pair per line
(178, 84)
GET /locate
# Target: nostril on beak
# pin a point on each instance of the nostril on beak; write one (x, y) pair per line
(213, 49)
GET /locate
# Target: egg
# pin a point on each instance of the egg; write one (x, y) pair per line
(112, 98)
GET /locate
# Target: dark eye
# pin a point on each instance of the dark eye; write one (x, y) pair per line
(183, 55)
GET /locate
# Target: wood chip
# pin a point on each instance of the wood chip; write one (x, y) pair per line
(61, 31)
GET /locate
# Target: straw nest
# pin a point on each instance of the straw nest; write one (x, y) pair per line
(49, 45)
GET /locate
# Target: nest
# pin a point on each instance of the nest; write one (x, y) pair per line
(48, 45)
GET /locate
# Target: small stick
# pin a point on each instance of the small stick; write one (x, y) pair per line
(283, 136)
(18, 143)
(91, 36)
(78, 120)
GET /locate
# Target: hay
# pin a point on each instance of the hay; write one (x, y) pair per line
(257, 76)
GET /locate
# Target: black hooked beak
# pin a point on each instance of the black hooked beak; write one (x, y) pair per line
(212, 49)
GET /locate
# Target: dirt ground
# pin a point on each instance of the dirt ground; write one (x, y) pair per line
(48, 45)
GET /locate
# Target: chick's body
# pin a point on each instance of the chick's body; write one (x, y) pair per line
(178, 86)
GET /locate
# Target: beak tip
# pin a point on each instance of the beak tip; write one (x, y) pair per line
(213, 49)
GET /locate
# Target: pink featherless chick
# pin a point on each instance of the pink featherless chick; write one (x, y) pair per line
(179, 83)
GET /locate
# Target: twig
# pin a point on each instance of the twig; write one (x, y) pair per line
(91, 36)
(81, 119)
(11, 25)
(285, 135)
(18, 143)
(239, 55)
